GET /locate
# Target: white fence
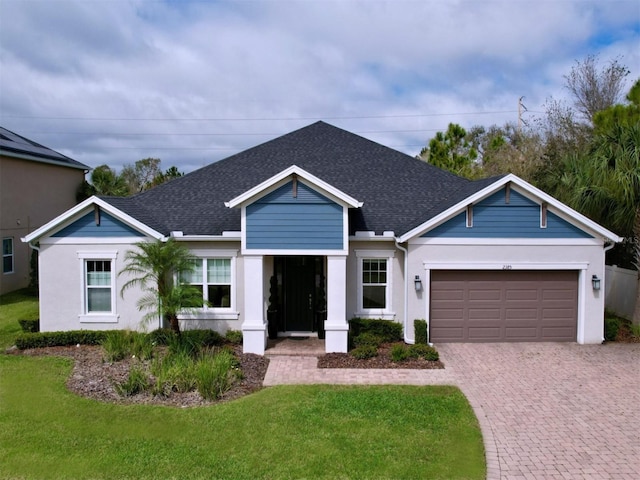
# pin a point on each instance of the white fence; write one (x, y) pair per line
(620, 290)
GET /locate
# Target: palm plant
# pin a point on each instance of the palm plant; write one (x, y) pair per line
(152, 267)
(604, 184)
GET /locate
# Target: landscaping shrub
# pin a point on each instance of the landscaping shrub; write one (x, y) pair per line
(399, 352)
(215, 373)
(29, 326)
(421, 350)
(365, 351)
(388, 330)
(136, 382)
(175, 372)
(367, 338)
(202, 338)
(162, 336)
(234, 337)
(59, 339)
(611, 327)
(420, 329)
(141, 345)
(116, 345)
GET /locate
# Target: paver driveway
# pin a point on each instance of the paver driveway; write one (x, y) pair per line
(553, 410)
(547, 410)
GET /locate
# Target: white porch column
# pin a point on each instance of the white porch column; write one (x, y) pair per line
(254, 329)
(336, 326)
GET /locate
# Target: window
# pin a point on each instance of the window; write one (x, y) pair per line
(213, 277)
(99, 286)
(7, 255)
(375, 283)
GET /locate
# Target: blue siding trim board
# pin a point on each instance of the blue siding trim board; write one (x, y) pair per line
(86, 227)
(494, 218)
(280, 221)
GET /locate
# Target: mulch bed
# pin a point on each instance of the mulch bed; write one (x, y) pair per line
(383, 360)
(94, 378)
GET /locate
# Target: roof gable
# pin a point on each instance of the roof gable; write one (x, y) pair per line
(564, 221)
(293, 174)
(76, 222)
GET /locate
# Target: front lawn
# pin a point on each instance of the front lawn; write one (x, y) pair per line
(313, 431)
(13, 307)
(280, 432)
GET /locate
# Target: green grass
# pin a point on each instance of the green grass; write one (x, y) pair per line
(281, 432)
(13, 307)
(331, 432)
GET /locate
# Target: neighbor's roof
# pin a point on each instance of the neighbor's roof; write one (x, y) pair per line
(17, 146)
(398, 192)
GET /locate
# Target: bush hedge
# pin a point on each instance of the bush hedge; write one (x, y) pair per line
(420, 329)
(387, 330)
(29, 326)
(611, 327)
(60, 339)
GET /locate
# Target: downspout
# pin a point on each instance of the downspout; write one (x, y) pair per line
(606, 249)
(406, 291)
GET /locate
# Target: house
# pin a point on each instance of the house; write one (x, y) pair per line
(322, 225)
(36, 184)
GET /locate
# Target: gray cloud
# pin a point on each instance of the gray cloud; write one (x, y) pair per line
(193, 82)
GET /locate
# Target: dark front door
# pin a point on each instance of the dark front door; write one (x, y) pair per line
(299, 278)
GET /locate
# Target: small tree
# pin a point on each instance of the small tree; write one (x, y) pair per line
(153, 266)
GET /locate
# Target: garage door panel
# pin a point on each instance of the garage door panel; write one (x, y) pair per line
(483, 333)
(484, 314)
(495, 306)
(521, 314)
(521, 294)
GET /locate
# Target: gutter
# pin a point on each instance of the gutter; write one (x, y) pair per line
(406, 292)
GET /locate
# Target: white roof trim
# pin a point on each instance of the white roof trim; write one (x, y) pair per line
(82, 208)
(248, 196)
(494, 187)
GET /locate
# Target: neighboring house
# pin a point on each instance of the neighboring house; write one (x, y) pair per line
(36, 184)
(322, 219)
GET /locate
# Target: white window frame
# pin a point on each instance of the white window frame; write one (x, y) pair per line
(11, 255)
(216, 313)
(98, 317)
(386, 313)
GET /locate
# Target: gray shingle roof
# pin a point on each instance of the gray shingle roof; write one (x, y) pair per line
(399, 192)
(14, 145)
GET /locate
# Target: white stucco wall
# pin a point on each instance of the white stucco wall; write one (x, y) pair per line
(584, 256)
(397, 278)
(62, 285)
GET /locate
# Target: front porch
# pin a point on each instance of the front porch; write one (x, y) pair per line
(292, 296)
(295, 346)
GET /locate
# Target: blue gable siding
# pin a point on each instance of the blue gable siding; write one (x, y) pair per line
(308, 221)
(494, 218)
(86, 227)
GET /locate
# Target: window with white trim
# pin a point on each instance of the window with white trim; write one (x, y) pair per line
(214, 277)
(98, 287)
(7, 255)
(375, 283)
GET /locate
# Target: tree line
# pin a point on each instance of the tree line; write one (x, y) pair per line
(142, 175)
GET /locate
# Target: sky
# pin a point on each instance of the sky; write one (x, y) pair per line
(192, 82)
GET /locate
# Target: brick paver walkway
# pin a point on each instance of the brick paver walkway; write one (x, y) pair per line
(547, 411)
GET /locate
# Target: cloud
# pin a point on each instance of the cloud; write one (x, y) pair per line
(192, 82)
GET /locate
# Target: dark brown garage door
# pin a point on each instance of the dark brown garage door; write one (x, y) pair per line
(503, 306)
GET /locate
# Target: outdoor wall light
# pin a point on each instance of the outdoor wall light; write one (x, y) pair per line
(418, 283)
(595, 281)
